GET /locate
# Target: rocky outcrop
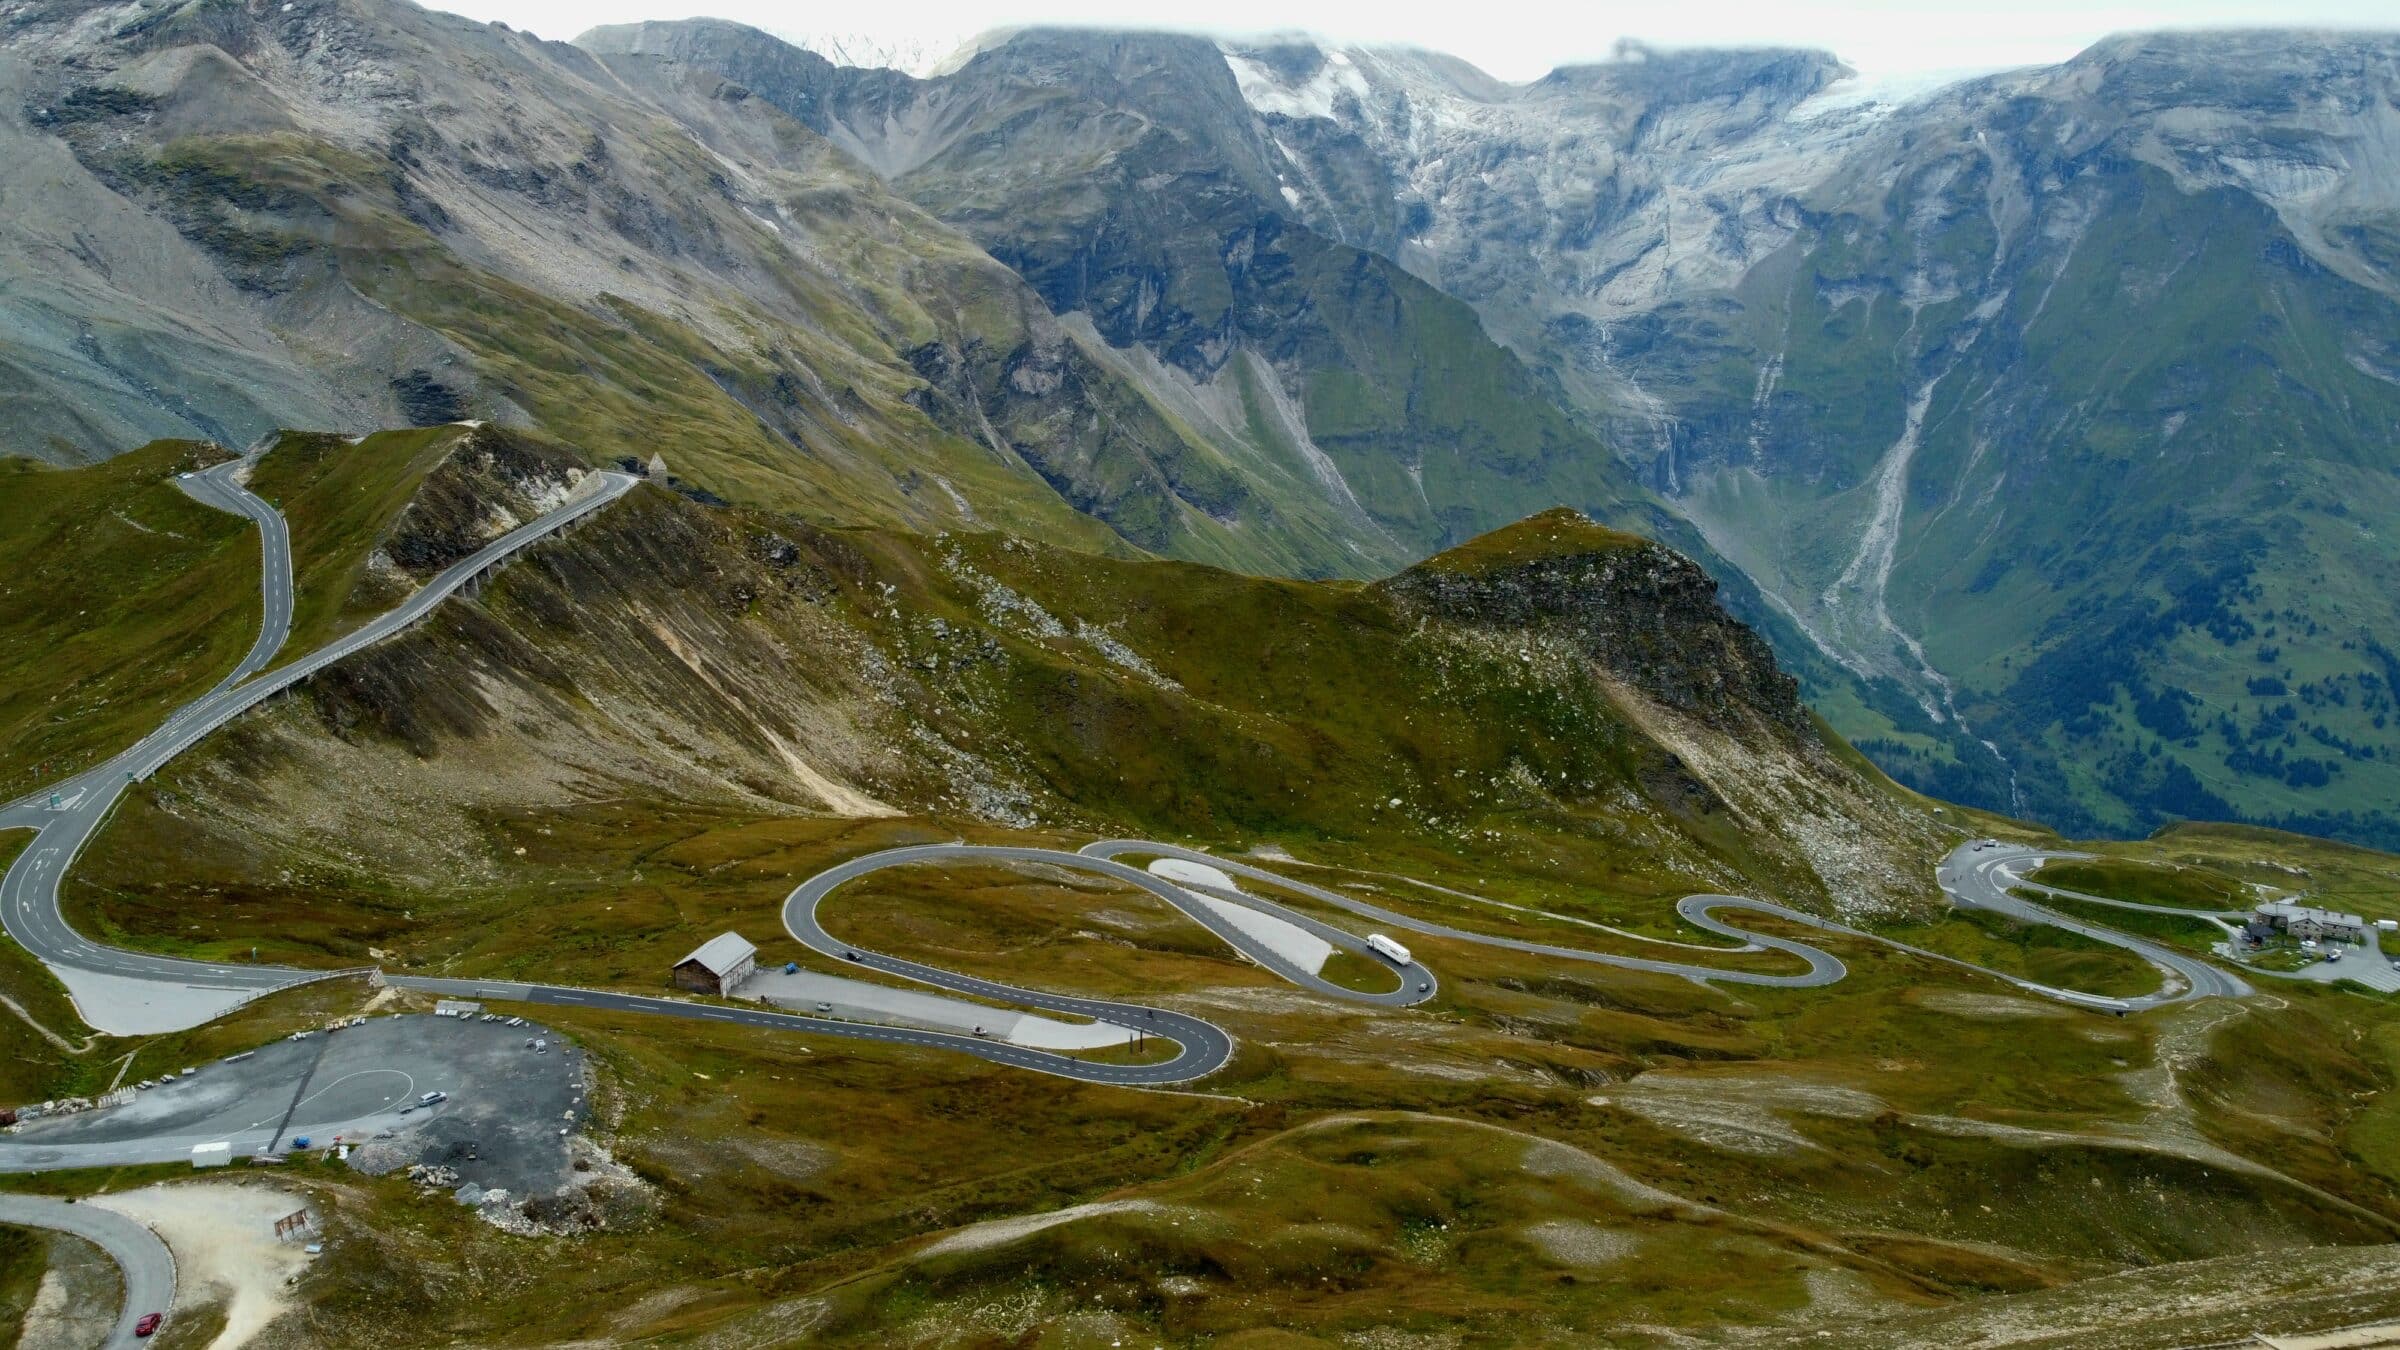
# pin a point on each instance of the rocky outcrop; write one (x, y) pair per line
(1957, 375)
(492, 481)
(1336, 398)
(1642, 612)
(346, 214)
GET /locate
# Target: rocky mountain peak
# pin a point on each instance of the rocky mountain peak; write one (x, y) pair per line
(1783, 76)
(1642, 612)
(2267, 70)
(1561, 532)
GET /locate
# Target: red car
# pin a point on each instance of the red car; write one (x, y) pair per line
(148, 1324)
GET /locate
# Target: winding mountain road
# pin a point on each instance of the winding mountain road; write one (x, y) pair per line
(126, 992)
(1204, 1046)
(1983, 879)
(148, 1266)
(129, 992)
(97, 974)
(1698, 910)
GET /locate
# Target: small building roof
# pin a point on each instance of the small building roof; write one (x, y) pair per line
(721, 953)
(2293, 909)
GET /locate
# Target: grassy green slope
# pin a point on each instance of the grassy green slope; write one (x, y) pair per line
(2220, 635)
(574, 775)
(2334, 875)
(2144, 883)
(1441, 431)
(338, 496)
(1349, 417)
(2039, 952)
(975, 679)
(2197, 936)
(119, 597)
(2143, 528)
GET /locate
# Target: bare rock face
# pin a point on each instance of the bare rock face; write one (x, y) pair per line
(347, 214)
(1642, 612)
(1952, 372)
(1951, 386)
(1128, 178)
(494, 481)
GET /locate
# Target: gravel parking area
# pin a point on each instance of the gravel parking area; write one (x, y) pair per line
(503, 1118)
(509, 1130)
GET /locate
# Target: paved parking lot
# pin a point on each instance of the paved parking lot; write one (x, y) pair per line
(2369, 964)
(506, 1103)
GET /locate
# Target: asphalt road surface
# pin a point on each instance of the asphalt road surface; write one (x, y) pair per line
(29, 905)
(351, 1084)
(1823, 968)
(148, 1266)
(2366, 963)
(220, 487)
(1973, 877)
(1205, 1046)
(1980, 879)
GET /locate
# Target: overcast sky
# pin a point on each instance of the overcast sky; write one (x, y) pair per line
(1515, 39)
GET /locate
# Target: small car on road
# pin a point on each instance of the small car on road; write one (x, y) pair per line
(149, 1323)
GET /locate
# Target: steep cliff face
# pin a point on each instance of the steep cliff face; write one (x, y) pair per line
(1126, 178)
(2056, 416)
(1706, 690)
(2033, 402)
(2042, 421)
(1582, 174)
(349, 214)
(1643, 613)
(491, 482)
